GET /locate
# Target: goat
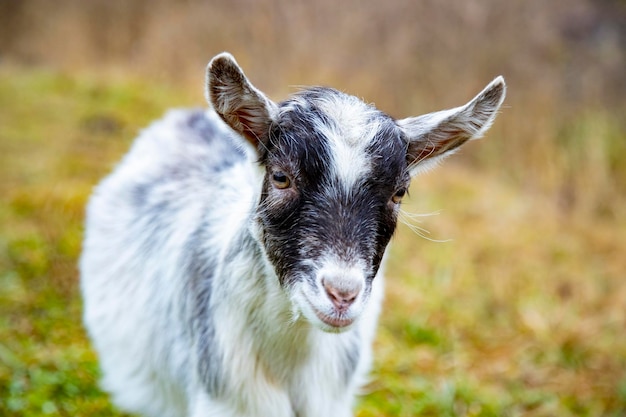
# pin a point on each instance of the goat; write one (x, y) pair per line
(232, 261)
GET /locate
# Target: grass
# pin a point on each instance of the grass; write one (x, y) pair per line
(521, 313)
(48, 170)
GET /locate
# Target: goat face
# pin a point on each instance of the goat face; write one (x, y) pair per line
(335, 172)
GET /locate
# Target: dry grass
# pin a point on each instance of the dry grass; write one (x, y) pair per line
(525, 303)
(521, 313)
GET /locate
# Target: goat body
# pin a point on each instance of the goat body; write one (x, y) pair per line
(232, 260)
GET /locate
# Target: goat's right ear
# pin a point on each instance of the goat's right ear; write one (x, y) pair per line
(244, 108)
(434, 136)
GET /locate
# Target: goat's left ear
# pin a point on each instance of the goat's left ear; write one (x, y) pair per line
(434, 136)
(244, 108)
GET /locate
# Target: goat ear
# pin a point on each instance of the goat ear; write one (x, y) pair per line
(434, 136)
(244, 108)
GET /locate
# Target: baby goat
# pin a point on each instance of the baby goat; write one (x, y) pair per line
(232, 261)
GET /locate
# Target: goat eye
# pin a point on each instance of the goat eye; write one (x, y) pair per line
(280, 180)
(397, 197)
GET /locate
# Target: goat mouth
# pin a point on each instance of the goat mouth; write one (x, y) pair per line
(333, 321)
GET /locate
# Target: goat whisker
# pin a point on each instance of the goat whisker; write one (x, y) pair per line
(409, 219)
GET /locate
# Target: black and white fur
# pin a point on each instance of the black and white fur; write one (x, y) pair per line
(232, 261)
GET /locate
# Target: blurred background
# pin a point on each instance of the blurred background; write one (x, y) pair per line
(514, 304)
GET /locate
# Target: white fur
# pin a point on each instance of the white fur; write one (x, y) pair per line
(350, 138)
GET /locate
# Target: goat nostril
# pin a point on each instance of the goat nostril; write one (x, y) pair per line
(341, 298)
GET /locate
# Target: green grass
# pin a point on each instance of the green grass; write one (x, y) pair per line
(520, 314)
(59, 135)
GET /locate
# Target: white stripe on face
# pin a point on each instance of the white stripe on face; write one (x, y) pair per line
(355, 125)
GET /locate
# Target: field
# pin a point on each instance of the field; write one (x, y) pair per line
(506, 293)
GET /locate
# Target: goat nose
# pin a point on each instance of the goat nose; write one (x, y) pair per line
(342, 296)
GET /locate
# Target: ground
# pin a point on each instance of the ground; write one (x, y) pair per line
(512, 304)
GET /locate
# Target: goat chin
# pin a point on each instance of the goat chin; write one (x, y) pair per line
(232, 262)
